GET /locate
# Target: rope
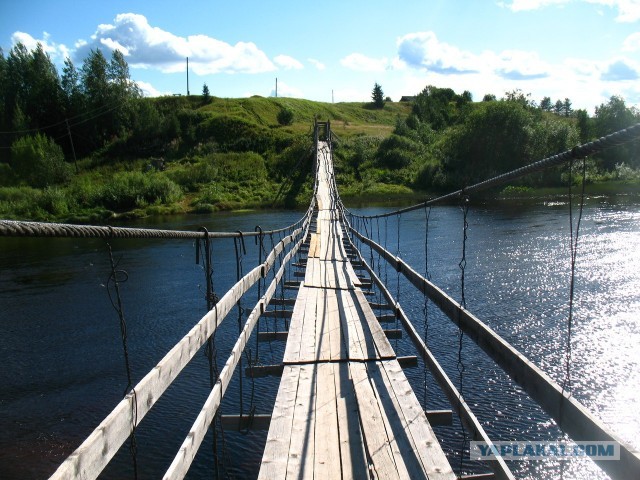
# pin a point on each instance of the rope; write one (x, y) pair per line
(239, 242)
(573, 247)
(14, 228)
(425, 307)
(210, 349)
(116, 277)
(620, 137)
(463, 303)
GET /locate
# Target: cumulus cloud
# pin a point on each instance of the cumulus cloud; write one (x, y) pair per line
(628, 10)
(316, 63)
(362, 63)
(287, 62)
(57, 51)
(620, 70)
(423, 50)
(520, 65)
(146, 46)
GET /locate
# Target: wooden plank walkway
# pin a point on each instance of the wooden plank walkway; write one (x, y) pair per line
(344, 408)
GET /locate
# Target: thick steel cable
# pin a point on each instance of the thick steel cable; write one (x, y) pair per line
(620, 137)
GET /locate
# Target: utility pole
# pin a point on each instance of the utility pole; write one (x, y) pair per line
(73, 149)
(276, 87)
(331, 95)
(187, 76)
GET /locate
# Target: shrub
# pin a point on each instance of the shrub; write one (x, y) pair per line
(285, 116)
(39, 161)
(129, 190)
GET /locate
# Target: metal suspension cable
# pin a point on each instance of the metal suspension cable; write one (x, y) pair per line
(620, 137)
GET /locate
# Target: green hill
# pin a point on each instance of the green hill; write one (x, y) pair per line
(185, 154)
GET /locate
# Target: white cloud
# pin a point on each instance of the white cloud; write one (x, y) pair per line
(316, 63)
(285, 90)
(521, 65)
(587, 83)
(628, 10)
(423, 50)
(631, 43)
(145, 46)
(287, 62)
(57, 51)
(362, 63)
(149, 90)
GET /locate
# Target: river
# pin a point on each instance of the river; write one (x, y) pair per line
(61, 351)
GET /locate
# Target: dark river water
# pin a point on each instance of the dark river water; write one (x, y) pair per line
(61, 355)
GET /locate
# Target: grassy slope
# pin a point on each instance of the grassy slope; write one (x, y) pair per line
(258, 114)
(347, 118)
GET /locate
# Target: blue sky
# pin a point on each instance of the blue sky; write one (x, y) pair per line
(586, 50)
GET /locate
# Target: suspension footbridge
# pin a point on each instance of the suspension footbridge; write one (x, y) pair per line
(344, 407)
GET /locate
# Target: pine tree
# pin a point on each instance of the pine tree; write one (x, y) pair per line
(377, 96)
(206, 97)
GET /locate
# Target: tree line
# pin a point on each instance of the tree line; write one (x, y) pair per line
(448, 141)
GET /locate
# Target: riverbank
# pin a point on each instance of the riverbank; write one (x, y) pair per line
(54, 205)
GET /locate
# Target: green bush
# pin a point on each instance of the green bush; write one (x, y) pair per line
(285, 116)
(129, 190)
(39, 161)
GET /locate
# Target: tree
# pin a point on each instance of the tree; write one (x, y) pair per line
(95, 88)
(489, 97)
(546, 104)
(377, 96)
(439, 107)
(206, 97)
(584, 125)
(497, 137)
(285, 116)
(558, 107)
(609, 118)
(71, 92)
(39, 161)
(518, 96)
(566, 108)
(44, 94)
(122, 92)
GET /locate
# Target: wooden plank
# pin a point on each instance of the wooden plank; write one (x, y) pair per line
(309, 334)
(292, 349)
(351, 327)
(314, 248)
(337, 346)
(302, 445)
(414, 423)
(382, 344)
(439, 417)
(259, 371)
(245, 422)
(405, 456)
(272, 336)
(327, 442)
(277, 314)
(352, 454)
(376, 441)
(323, 331)
(276, 452)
